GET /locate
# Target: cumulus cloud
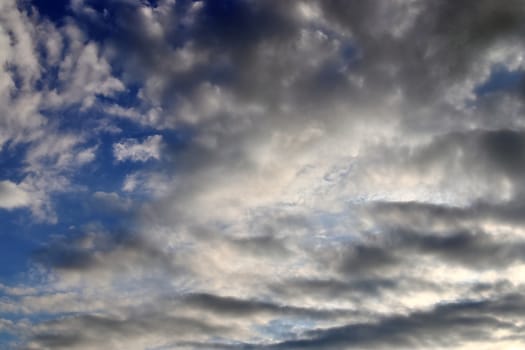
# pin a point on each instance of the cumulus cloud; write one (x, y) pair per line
(13, 196)
(131, 149)
(46, 69)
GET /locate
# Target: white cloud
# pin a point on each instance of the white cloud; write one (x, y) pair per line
(131, 149)
(32, 50)
(13, 196)
(19, 71)
(83, 74)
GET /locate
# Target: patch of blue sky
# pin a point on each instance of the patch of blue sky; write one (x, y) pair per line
(126, 99)
(111, 15)
(58, 10)
(19, 240)
(12, 161)
(501, 79)
(55, 10)
(105, 173)
(81, 209)
(332, 229)
(37, 316)
(75, 207)
(49, 78)
(8, 338)
(284, 328)
(349, 52)
(16, 79)
(21, 236)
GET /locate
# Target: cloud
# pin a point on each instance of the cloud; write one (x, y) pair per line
(459, 321)
(267, 174)
(46, 69)
(133, 150)
(232, 306)
(101, 253)
(134, 333)
(13, 196)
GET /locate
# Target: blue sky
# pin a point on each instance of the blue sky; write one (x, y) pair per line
(254, 174)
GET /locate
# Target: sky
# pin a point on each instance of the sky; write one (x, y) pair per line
(262, 174)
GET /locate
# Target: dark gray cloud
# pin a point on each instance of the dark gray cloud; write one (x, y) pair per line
(104, 251)
(423, 215)
(405, 240)
(429, 45)
(445, 325)
(493, 153)
(362, 259)
(217, 316)
(262, 245)
(335, 289)
(225, 306)
(91, 330)
(474, 250)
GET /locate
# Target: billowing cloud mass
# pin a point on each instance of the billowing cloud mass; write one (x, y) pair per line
(262, 174)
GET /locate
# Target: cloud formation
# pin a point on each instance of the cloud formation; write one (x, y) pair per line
(249, 174)
(12, 196)
(138, 151)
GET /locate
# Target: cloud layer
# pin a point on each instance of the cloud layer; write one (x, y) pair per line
(265, 174)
